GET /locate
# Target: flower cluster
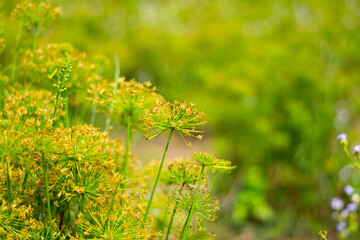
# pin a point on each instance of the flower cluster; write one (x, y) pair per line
(178, 116)
(62, 179)
(36, 15)
(30, 110)
(125, 98)
(346, 214)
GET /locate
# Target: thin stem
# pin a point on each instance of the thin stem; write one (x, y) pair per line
(26, 175)
(94, 106)
(17, 45)
(157, 177)
(57, 98)
(36, 31)
(47, 192)
(81, 210)
(188, 220)
(93, 111)
(67, 112)
(8, 167)
(2, 96)
(116, 76)
(126, 162)
(213, 182)
(76, 108)
(349, 155)
(173, 214)
(127, 146)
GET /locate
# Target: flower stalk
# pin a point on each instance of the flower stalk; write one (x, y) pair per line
(173, 214)
(157, 177)
(191, 211)
(44, 168)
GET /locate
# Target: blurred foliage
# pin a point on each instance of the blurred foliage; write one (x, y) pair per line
(277, 79)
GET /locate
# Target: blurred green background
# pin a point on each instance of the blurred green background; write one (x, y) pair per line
(278, 81)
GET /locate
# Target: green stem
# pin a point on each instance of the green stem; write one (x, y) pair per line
(47, 192)
(57, 98)
(116, 76)
(36, 31)
(81, 206)
(66, 112)
(68, 214)
(126, 162)
(173, 214)
(2, 96)
(213, 182)
(349, 155)
(127, 146)
(93, 111)
(157, 177)
(8, 167)
(94, 106)
(188, 220)
(17, 45)
(26, 175)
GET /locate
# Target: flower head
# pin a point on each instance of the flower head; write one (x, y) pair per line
(205, 205)
(126, 98)
(179, 116)
(340, 226)
(36, 15)
(349, 190)
(355, 198)
(342, 138)
(352, 207)
(357, 149)
(344, 213)
(183, 172)
(337, 203)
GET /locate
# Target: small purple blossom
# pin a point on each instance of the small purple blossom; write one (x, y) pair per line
(344, 213)
(340, 226)
(357, 149)
(337, 203)
(349, 190)
(342, 137)
(352, 207)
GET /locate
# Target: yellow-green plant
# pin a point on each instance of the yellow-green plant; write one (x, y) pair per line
(60, 180)
(165, 116)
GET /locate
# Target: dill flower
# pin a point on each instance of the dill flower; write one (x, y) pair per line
(124, 223)
(130, 99)
(40, 66)
(36, 15)
(204, 208)
(32, 109)
(181, 172)
(206, 159)
(178, 116)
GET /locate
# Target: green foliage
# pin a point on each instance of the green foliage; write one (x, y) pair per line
(70, 180)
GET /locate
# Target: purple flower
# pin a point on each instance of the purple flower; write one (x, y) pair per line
(352, 207)
(357, 149)
(344, 213)
(341, 137)
(349, 190)
(337, 203)
(340, 226)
